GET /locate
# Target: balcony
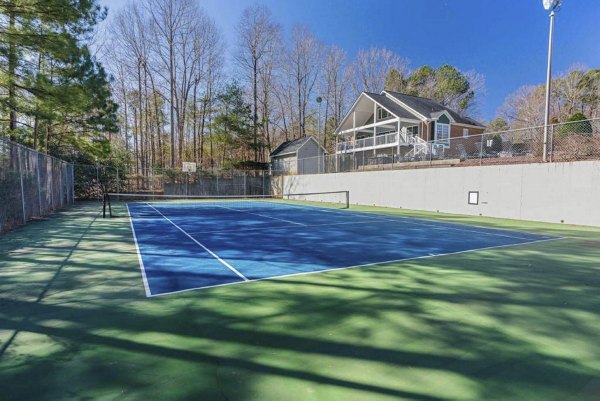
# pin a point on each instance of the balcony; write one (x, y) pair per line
(380, 141)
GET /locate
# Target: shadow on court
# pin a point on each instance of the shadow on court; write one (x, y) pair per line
(513, 323)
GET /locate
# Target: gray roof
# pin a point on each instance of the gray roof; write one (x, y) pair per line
(430, 108)
(290, 146)
(392, 106)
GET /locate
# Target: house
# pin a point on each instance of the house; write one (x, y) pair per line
(391, 126)
(298, 156)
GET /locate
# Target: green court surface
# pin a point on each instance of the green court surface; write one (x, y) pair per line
(513, 323)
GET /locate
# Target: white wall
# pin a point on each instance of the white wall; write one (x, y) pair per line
(551, 192)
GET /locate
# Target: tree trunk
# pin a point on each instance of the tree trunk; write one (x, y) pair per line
(172, 96)
(255, 98)
(194, 123)
(12, 66)
(140, 131)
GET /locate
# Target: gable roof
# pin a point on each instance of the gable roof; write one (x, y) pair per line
(391, 106)
(430, 108)
(292, 146)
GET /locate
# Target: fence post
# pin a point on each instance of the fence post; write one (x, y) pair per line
(481, 150)
(37, 173)
(98, 180)
(50, 177)
(431, 147)
(118, 181)
(551, 153)
(21, 179)
(244, 179)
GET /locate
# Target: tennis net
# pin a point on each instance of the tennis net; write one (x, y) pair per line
(151, 205)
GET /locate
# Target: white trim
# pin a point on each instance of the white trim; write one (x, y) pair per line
(349, 112)
(363, 265)
(214, 255)
(472, 126)
(139, 255)
(435, 134)
(452, 120)
(382, 106)
(364, 127)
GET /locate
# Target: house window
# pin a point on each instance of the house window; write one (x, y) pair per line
(465, 132)
(413, 131)
(442, 133)
(382, 113)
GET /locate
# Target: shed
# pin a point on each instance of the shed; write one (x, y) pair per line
(298, 156)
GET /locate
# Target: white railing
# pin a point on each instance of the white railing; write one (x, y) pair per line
(566, 142)
(369, 142)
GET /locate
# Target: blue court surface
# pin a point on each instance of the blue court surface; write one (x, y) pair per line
(184, 246)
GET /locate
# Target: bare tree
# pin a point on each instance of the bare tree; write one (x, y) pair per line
(169, 18)
(303, 62)
(335, 87)
(524, 107)
(257, 34)
(132, 47)
(371, 67)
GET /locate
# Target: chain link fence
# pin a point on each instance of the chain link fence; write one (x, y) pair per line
(571, 141)
(92, 181)
(32, 184)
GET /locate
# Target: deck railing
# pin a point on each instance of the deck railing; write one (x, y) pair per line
(572, 141)
(368, 142)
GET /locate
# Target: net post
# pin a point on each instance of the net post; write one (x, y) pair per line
(347, 199)
(104, 206)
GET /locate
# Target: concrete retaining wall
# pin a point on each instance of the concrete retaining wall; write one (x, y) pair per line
(551, 192)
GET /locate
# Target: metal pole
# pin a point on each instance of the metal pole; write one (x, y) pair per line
(72, 184)
(548, 84)
(319, 140)
(336, 153)
(98, 182)
(319, 100)
(21, 179)
(37, 169)
(481, 150)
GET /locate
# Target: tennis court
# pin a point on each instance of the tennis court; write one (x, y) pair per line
(186, 244)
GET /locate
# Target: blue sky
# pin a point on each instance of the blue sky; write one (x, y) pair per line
(506, 41)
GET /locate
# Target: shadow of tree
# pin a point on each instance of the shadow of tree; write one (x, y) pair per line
(514, 323)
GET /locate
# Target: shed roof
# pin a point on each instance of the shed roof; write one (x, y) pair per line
(289, 147)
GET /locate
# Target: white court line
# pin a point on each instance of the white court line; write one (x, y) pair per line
(139, 255)
(358, 266)
(233, 269)
(289, 226)
(261, 215)
(436, 224)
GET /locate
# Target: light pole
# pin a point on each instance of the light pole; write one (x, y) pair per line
(319, 100)
(551, 5)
